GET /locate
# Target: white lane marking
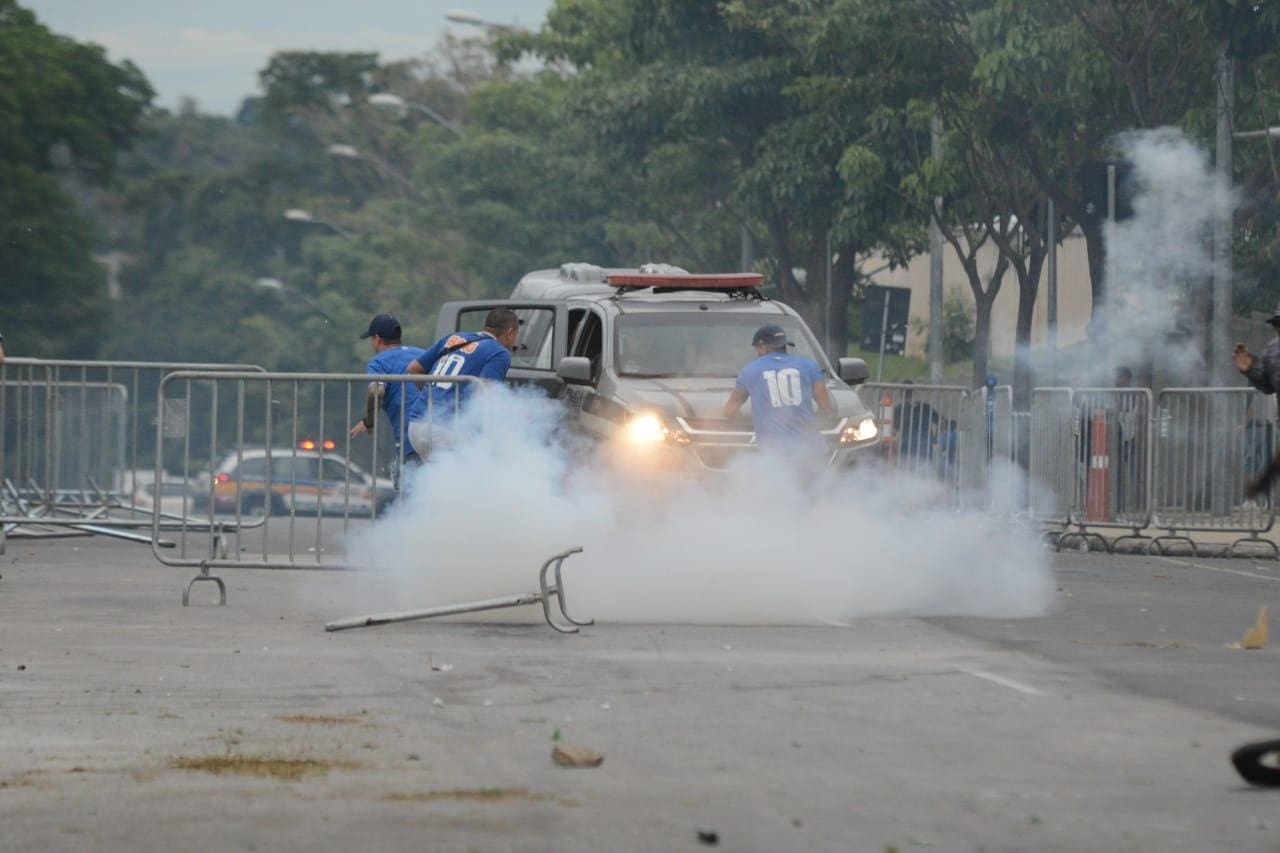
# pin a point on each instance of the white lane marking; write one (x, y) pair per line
(1001, 680)
(1216, 569)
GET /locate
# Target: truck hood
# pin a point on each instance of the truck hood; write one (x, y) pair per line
(703, 400)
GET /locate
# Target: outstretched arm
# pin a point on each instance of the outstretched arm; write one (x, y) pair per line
(372, 398)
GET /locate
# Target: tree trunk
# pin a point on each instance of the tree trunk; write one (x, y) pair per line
(982, 338)
(844, 272)
(1028, 291)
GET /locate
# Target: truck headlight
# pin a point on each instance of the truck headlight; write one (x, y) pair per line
(863, 430)
(651, 429)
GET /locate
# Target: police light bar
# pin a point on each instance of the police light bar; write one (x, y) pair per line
(686, 281)
(306, 444)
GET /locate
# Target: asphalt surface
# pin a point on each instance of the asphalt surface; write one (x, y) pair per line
(128, 722)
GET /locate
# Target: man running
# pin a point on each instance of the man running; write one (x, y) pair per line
(485, 355)
(390, 357)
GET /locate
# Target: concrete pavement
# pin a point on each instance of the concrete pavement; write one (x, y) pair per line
(131, 723)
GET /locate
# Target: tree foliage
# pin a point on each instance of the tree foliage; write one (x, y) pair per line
(65, 112)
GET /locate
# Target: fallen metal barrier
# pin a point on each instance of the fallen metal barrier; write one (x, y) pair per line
(75, 447)
(1210, 443)
(284, 481)
(544, 596)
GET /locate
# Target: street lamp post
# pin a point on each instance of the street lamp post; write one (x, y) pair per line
(387, 99)
(280, 287)
(462, 16)
(350, 152)
(297, 214)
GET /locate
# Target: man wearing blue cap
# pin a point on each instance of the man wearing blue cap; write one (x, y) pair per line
(389, 357)
(783, 390)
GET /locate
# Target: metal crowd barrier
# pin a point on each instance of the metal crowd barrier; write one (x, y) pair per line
(962, 439)
(275, 449)
(76, 446)
(1210, 444)
(1091, 463)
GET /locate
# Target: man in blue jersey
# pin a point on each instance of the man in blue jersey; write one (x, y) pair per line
(390, 357)
(783, 390)
(485, 355)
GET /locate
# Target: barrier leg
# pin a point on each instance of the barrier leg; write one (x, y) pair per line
(205, 576)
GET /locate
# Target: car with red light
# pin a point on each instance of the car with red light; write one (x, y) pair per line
(311, 479)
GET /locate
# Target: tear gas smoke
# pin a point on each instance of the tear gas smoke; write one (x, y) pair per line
(753, 546)
(1159, 257)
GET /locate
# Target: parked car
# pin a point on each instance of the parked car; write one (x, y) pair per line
(306, 480)
(139, 490)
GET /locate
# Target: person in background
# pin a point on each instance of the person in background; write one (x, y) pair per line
(390, 357)
(1, 349)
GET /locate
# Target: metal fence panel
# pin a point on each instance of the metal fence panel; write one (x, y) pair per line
(1051, 486)
(285, 483)
(1210, 444)
(949, 435)
(76, 441)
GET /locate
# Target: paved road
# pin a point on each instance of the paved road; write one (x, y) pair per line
(131, 723)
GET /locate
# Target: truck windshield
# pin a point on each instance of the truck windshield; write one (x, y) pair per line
(710, 345)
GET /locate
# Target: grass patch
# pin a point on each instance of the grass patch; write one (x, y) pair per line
(320, 720)
(265, 766)
(473, 795)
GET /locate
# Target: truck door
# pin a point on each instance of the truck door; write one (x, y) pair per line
(541, 343)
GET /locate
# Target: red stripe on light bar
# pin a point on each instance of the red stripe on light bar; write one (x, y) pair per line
(719, 281)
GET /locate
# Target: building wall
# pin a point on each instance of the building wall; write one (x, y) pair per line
(1075, 300)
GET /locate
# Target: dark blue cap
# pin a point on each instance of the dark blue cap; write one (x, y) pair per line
(770, 335)
(384, 326)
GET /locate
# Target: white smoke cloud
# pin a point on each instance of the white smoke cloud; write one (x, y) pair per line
(1156, 257)
(751, 547)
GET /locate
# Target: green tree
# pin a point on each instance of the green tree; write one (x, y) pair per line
(66, 111)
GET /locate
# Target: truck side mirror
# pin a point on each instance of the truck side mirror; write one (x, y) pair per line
(576, 370)
(853, 370)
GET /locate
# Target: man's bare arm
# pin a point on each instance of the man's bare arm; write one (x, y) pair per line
(372, 397)
(734, 404)
(822, 398)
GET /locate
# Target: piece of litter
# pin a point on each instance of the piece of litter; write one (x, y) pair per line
(438, 702)
(604, 706)
(1256, 637)
(487, 702)
(728, 648)
(441, 667)
(566, 755)
(708, 837)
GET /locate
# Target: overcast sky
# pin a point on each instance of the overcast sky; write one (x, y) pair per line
(213, 50)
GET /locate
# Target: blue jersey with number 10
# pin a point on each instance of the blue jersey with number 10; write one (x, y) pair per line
(780, 387)
(462, 354)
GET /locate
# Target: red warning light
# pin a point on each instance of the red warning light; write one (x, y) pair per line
(688, 281)
(330, 444)
(307, 444)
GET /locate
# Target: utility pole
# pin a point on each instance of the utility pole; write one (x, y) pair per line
(936, 354)
(1220, 337)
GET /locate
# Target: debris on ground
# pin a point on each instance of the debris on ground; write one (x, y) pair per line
(1256, 637)
(567, 755)
(1259, 763)
(708, 837)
